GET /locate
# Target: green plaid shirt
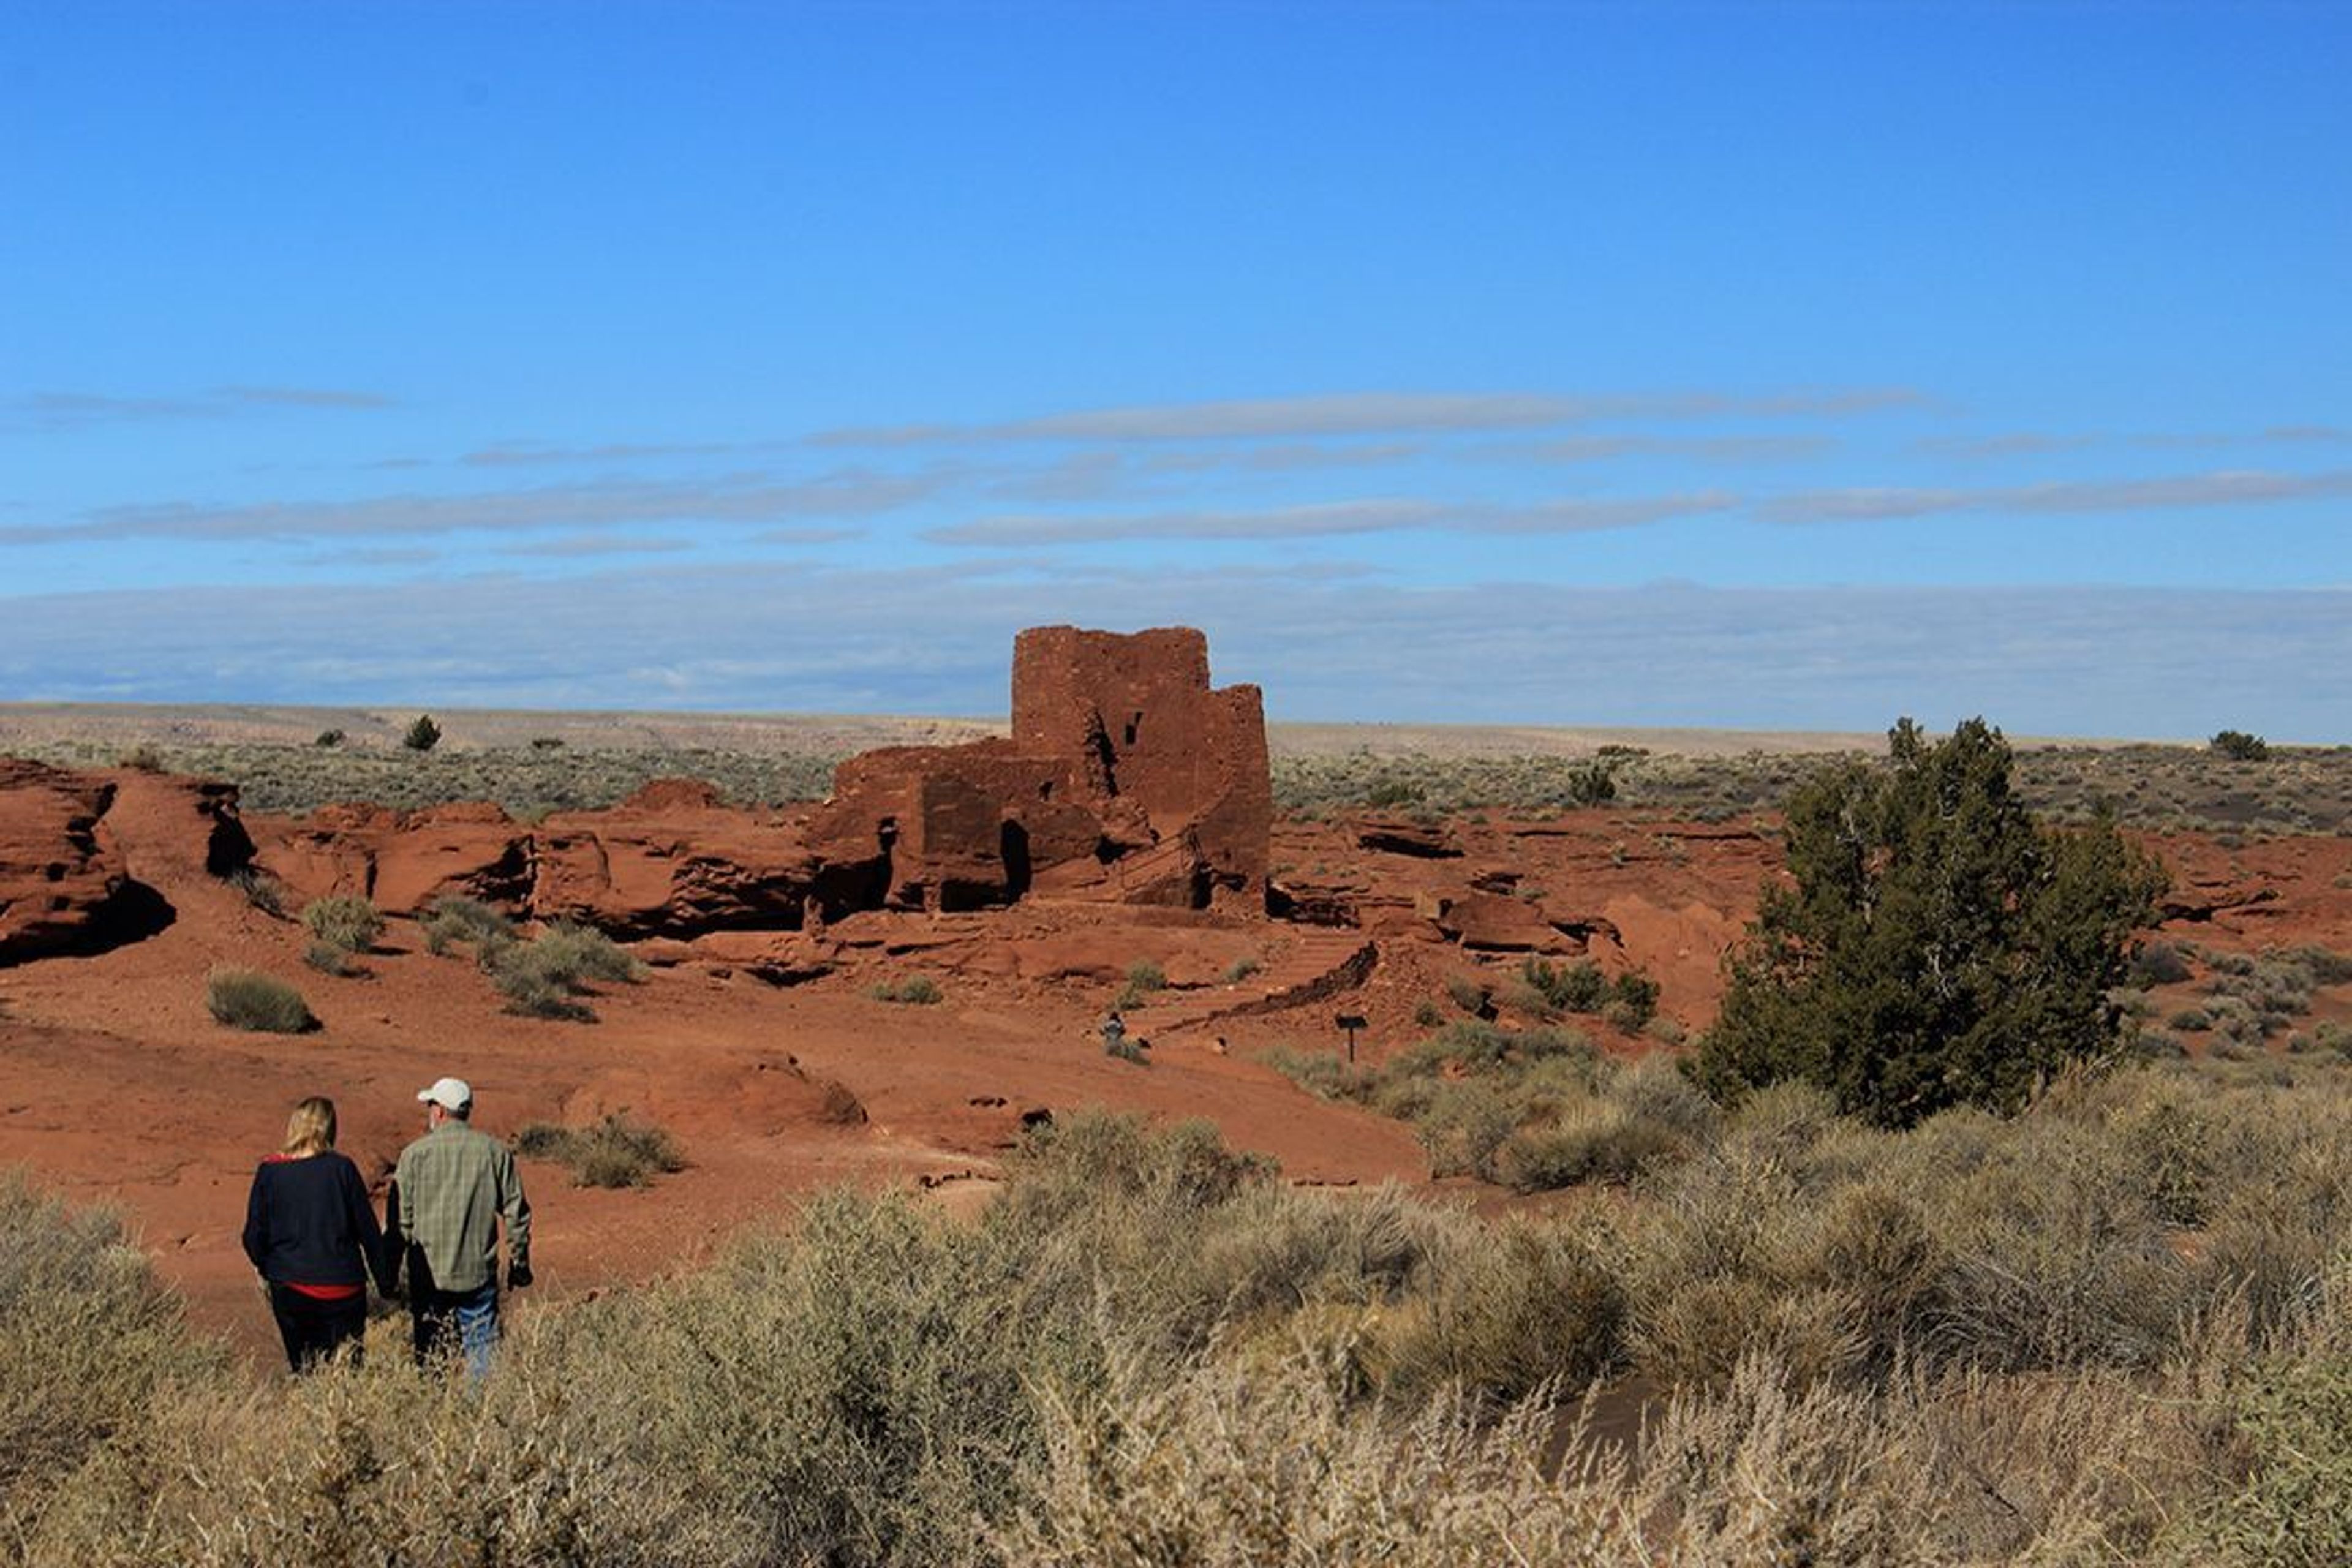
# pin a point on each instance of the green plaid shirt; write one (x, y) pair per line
(456, 1185)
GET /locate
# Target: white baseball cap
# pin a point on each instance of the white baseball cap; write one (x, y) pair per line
(449, 1093)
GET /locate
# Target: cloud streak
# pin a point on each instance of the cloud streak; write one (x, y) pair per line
(849, 494)
(75, 410)
(1327, 519)
(1373, 413)
(2225, 489)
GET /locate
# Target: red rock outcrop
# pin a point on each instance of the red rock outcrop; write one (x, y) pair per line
(82, 855)
(402, 860)
(673, 860)
(56, 882)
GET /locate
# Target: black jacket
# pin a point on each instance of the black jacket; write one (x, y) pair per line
(308, 1222)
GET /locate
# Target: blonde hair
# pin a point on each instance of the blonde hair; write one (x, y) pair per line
(311, 1129)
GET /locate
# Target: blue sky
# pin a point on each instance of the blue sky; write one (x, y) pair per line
(1743, 365)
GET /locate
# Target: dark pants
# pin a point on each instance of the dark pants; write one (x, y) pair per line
(314, 1330)
(468, 1318)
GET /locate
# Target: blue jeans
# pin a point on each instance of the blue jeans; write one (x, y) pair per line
(472, 1316)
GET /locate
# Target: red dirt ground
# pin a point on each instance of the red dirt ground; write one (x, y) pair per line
(115, 1083)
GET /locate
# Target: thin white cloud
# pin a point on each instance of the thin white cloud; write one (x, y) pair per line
(1703, 448)
(1325, 520)
(306, 396)
(55, 410)
(2015, 444)
(2226, 489)
(576, 545)
(601, 503)
(1372, 414)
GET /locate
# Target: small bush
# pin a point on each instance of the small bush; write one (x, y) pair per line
(344, 923)
(2240, 747)
(422, 734)
(1241, 969)
(244, 999)
(1578, 987)
(2157, 963)
(1633, 1001)
(329, 738)
(1427, 1014)
(1592, 1141)
(617, 1152)
(452, 919)
(1471, 995)
(547, 743)
(142, 759)
(328, 959)
(914, 990)
(545, 977)
(262, 890)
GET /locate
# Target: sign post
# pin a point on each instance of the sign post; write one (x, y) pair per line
(1351, 1022)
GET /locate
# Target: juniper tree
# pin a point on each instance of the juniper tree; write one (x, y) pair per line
(1934, 944)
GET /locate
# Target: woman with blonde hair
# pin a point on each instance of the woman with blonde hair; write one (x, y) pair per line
(312, 1235)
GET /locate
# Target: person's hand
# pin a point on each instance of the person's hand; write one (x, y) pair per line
(519, 1277)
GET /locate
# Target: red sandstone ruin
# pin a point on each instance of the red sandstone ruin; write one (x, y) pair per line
(1128, 779)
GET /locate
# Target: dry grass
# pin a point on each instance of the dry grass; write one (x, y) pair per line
(2117, 1329)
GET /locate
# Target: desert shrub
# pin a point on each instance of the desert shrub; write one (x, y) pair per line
(142, 759)
(1633, 1001)
(1578, 987)
(422, 734)
(547, 743)
(616, 1151)
(2286, 1422)
(546, 977)
(2168, 1141)
(262, 890)
(245, 999)
(329, 738)
(88, 1339)
(1144, 979)
(912, 990)
(2324, 966)
(2241, 747)
(1427, 1014)
(1467, 993)
(1461, 1125)
(540, 1463)
(1239, 970)
(2157, 963)
(575, 952)
(2191, 1020)
(452, 919)
(1937, 946)
(1588, 1140)
(344, 923)
(328, 959)
(1533, 1305)
(1324, 1074)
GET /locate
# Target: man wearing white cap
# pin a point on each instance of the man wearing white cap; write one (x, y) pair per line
(453, 1189)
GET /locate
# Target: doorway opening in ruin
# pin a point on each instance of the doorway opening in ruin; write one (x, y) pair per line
(1012, 841)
